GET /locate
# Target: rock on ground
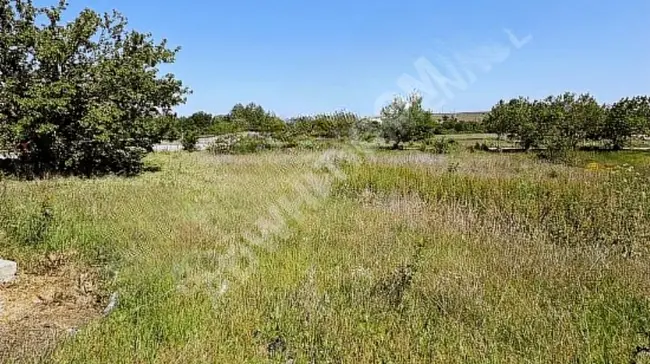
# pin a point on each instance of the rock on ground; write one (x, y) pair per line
(7, 271)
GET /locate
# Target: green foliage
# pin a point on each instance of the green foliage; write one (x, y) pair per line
(568, 119)
(168, 128)
(438, 145)
(199, 122)
(253, 117)
(204, 123)
(404, 120)
(625, 118)
(338, 125)
(515, 119)
(563, 123)
(241, 118)
(251, 142)
(451, 125)
(221, 125)
(243, 144)
(367, 129)
(82, 96)
(189, 140)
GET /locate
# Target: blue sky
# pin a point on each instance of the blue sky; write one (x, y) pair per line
(300, 57)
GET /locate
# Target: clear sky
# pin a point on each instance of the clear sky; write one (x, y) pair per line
(302, 57)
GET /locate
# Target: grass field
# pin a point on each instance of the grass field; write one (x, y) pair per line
(341, 256)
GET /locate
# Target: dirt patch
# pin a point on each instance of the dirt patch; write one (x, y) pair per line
(44, 304)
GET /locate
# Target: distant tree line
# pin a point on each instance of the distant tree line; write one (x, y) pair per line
(556, 123)
(568, 121)
(339, 125)
(85, 97)
(253, 118)
(452, 125)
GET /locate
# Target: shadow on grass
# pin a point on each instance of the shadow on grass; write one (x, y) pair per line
(15, 168)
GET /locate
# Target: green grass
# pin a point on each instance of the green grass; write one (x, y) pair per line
(470, 140)
(411, 257)
(639, 159)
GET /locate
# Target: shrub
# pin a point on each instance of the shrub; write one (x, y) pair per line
(482, 146)
(367, 130)
(339, 125)
(439, 145)
(253, 117)
(243, 144)
(309, 144)
(189, 141)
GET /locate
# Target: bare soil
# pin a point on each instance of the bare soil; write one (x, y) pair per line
(45, 304)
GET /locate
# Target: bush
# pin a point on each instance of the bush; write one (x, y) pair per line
(189, 141)
(243, 144)
(482, 146)
(339, 125)
(439, 145)
(253, 117)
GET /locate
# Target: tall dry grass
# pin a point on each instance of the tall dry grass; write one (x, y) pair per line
(410, 258)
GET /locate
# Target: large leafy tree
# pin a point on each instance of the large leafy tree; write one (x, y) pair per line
(590, 115)
(625, 118)
(557, 122)
(570, 119)
(517, 120)
(404, 119)
(83, 96)
(496, 122)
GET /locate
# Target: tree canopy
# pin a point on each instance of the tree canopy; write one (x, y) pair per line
(405, 120)
(566, 121)
(83, 96)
